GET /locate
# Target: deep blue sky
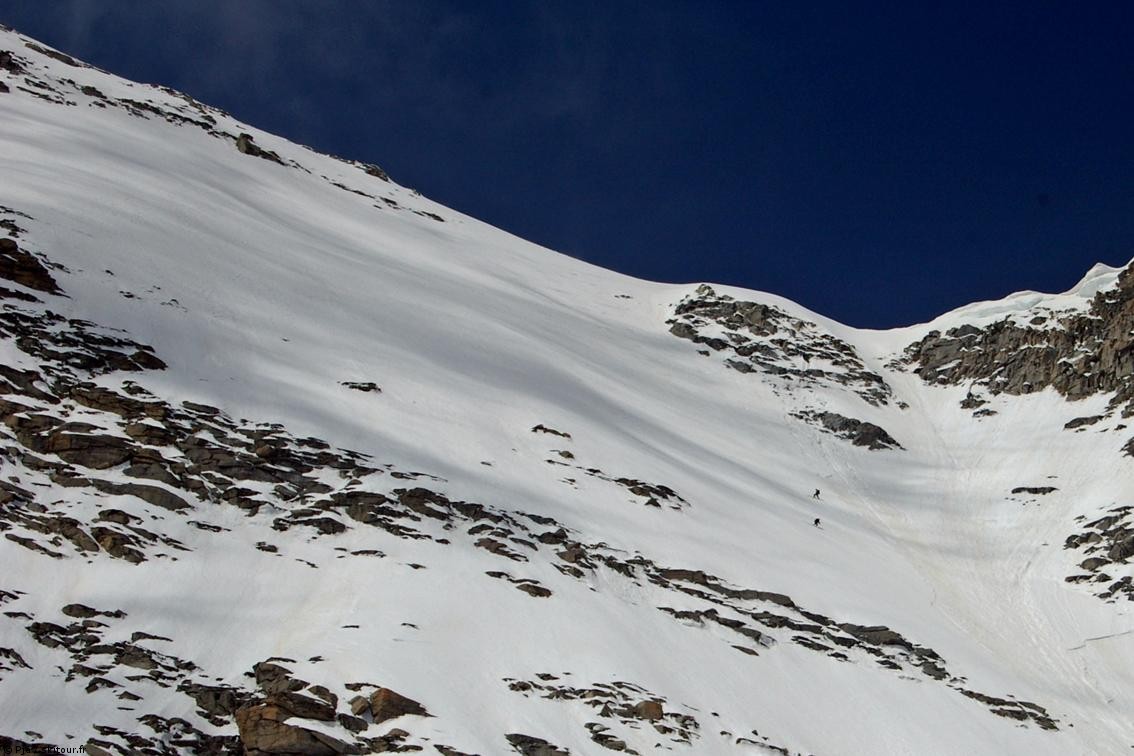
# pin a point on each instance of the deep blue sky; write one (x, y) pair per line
(880, 164)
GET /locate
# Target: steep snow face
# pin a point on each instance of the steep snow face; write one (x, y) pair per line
(298, 461)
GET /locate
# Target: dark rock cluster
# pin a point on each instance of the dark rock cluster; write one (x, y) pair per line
(23, 268)
(363, 386)
(858, 432)
(527, 745)
(651, 494)
(620, 702)
(757, 338)
(263, 719)
(247, 146)
(1076, 353)
(1107, 542)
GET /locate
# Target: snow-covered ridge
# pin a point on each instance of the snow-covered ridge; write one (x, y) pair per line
(293, 458)
(1024, 305)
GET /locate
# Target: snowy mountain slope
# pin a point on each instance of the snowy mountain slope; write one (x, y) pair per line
(576, 512)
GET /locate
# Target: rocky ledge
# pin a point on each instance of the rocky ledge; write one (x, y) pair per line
(858, 432)
(1077, 353)
(758, 338)
(1108, 544)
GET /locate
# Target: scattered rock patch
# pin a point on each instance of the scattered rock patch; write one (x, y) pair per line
(858, 432)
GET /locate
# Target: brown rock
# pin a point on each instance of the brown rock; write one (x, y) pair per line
(272, 678)
(116, 516)
(303, 706)
(69, 529)
(216, 701)
(354, 724)
(95, 451)
(573, 554)
(386, 704)
(245, 144)
(100, 398)
(24, 269)
(118, 545)
(533, 746)
(262, 732)
(159, 497)
(135, 656)
(145, 433)
(24, 381)
(1122, 549)
(320, 691)
(538, 591)
(649, 710)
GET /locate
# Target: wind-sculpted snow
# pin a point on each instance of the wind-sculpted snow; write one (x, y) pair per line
(294, 460)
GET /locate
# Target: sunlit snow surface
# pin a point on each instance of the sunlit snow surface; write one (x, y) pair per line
(265, 287)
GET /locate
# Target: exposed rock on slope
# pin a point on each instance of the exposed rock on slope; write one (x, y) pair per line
(764, 339)
(1076, 353)
(858, 432)
(1108, 544)
(22, 268)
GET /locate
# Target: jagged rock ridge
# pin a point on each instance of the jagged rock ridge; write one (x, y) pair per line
(1078, 354)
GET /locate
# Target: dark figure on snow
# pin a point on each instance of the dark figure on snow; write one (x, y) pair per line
(816, 522)
(816, 494)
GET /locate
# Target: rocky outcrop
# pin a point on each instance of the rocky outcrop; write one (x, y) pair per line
(55, 55)
(1108, 542)
(649, 710)
(1018, 710)
(1082, 422)
(372, 170)
(12, 63)
(1076, 353)
(650, 494)
(757, 338)
(527, 745)
(20, 267)
(527, 585)
(277, 720)
(95, 451)
(541, 428)
(364, 386)
(858, 432)
(247, 146)
(618, 704)
(386, 704)
(264, 729)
